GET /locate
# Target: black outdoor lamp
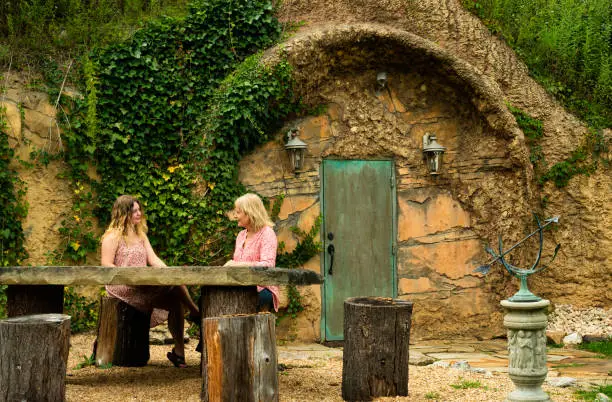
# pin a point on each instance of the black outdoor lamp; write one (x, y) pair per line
(296, 149)
(433, 152)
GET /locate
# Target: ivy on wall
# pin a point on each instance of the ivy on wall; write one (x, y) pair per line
(173, 111)
(13, 209)
(583, 160)
(166, 116)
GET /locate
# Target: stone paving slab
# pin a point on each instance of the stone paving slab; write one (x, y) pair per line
(470, 357)
(564, 362)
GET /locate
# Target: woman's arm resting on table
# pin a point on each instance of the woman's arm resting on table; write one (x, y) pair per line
(152, 258)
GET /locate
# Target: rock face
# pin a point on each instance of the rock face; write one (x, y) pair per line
(446, 75)
(32, 127)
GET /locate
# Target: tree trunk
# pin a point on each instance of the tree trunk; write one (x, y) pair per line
(33, 357)
(241, 352)
(123, 334)
(223, 300)
(375, 356)
(34, 299)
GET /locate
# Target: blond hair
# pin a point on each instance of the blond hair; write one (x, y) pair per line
(120, 217)
(253, 207)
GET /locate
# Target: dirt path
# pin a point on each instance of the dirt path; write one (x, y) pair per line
(306, 378)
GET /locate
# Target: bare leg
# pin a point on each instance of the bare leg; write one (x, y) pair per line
(176, 325)
(186, 299)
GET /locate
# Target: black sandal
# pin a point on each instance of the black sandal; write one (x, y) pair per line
(178, 361)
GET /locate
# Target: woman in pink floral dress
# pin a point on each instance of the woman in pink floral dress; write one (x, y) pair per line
(125, 244)
(256, 244)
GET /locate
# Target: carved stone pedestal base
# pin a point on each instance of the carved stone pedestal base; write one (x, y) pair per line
(526, 323)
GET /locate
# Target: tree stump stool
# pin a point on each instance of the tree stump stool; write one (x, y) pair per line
(225, 300)
(33, 356)
(375, 356)
(123, 334)
(242, 363)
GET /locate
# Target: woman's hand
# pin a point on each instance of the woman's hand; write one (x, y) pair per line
(232, 263)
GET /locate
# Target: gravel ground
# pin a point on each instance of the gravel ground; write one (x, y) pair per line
(316, 379)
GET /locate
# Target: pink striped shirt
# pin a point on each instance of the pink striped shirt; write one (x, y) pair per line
(261, 252)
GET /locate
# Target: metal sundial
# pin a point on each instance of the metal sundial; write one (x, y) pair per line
(523, 294)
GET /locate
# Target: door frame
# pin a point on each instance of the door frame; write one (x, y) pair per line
(322, 232)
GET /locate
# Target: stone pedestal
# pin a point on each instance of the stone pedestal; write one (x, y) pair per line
(526, 324)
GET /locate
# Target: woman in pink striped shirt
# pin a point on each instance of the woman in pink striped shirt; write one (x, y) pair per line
(256, 244)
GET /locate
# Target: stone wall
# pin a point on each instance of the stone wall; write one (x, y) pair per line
(442, 221)
(586, 213)
(488, 186)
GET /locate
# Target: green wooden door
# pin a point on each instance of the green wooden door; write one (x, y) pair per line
(359, 229)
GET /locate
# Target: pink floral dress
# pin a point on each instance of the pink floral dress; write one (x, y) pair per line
(261, 252)
(140, 297)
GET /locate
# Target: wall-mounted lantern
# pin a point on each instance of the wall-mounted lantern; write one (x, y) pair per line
(381, 82)
(433, 152)
(296, 149)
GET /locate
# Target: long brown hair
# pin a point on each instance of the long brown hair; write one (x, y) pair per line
(120, 217)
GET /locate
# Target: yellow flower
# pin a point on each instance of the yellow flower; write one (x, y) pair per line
(171, 169)
(211, 186)
(166, 177)
(76, 218)
(75, 245)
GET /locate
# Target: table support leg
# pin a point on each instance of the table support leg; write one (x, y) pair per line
(34, 299)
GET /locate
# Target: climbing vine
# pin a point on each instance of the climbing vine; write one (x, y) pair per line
(13, 209)
(307, 247)
(583, 160)
(167, 116)
(532, 128)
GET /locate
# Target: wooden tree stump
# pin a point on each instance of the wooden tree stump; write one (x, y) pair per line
(375, 356)
(226, 300)
(34, 299)
(241, 353)
(123, 334)
(33, 357)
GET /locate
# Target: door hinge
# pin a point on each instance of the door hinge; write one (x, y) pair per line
(392, 181)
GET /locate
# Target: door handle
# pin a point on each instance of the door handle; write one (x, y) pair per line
(331, 249)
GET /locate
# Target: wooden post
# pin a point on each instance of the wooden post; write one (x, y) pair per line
(241, 352)
(33, 357)
(375, 355)
(123, 334)
(34, 299)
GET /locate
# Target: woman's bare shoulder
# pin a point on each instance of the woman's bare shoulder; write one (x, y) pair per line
(111, 236)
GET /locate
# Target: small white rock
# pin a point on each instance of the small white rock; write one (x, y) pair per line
(461, 365)
(561, 382)
(573, 339)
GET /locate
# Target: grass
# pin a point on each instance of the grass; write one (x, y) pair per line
(603, 348)
(591, 394)
(432, 395)
(465, 384)
(87, 361)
